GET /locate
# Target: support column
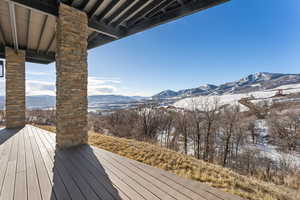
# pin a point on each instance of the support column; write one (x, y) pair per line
(71, 77)
(15, 88)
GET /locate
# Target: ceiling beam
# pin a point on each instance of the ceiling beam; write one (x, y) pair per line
(94, 8)
(28, 28)
(100, 41)
(94, 24)
(92, 36)
(135, 12)
(106, 10)
(136, 16)
(118, 11)
(48, 7)
(2, 36)
(172, 15)
(161, 8)
(42, 32)
(83, 4)
(154, 5)
(155, 21)
(128, 12)
(13, 24)
(101, 27)
(2, 52)
(76, 3)
(33, 56)
(39, 57)
(51, 42)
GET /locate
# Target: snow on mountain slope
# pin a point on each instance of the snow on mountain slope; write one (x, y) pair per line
(232, 99)
(165, 94)
(252, 83)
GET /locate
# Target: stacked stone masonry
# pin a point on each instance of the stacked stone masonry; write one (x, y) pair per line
(71, 77)
(15, 88)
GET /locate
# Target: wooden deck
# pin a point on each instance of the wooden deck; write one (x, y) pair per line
(31, 168)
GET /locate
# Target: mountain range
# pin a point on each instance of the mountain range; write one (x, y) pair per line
(251, 83)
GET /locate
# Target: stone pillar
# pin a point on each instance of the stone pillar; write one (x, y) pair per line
(71, 77)
(15, 88)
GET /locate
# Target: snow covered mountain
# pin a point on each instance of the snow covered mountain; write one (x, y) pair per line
(202, 90)
(252, 83)
(166, 94)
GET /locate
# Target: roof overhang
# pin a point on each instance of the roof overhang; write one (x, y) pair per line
(30, 24)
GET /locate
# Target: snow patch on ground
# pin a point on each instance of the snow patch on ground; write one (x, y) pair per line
(270, 151)
(232, 99)
(261, 127)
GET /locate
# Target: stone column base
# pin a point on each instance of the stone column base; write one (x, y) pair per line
(71, 77)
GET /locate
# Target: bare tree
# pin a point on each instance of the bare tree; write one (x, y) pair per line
(286, 130)
(149, 122)
(183, 127)
(123, 123)
(251, 128)
(167, 127)
(41, 117)
(229, 122)
(197, 119)
(211, 115)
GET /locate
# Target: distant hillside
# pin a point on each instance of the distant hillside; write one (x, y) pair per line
(111, 99)
(45, 101)
(252, 83)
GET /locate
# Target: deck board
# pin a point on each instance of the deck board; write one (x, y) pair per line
(31, 168)
(43, 178)
(7, 191)
(156, 183)
(7, 145)
(59, 188)
(33, 187)
(21, 186)
(61, 173)
(83, 169)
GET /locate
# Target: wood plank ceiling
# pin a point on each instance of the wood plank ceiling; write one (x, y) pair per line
(30, 24)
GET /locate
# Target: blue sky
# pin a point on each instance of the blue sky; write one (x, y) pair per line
(214, 46)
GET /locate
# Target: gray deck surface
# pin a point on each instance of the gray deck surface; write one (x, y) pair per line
(31, 168)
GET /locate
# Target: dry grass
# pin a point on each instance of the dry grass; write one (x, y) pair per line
(189, 167)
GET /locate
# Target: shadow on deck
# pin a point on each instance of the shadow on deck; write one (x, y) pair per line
(31, 168)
